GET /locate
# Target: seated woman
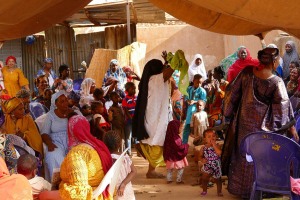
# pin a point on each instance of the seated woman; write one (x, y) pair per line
(54, 132)
(84, 166)
(41, 83)
(14, 186)
(16, 122)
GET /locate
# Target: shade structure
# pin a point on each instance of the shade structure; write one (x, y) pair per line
(19, 18)
(236, 17)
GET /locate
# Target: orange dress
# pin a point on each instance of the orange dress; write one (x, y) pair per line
(14, 80)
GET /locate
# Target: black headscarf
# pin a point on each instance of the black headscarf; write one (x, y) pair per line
(153, 67)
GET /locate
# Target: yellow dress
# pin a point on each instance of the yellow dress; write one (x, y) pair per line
(81, 172)
(13, 81)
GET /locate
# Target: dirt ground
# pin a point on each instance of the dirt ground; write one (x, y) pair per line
(158, 189)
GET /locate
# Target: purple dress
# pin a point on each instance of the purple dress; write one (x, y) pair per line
(252, 104)
(213, 165)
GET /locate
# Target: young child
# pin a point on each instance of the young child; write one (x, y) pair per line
(27, 166)
(98, 95)
(199, 121)
(128, 104)
(99, 126)
(175, 152)
(86, 111)
(116, 115)
(124, 187)
(195, 93)
(210, 154)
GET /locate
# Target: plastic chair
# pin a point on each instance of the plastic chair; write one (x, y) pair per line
(273, 156)
(111, 177)
(37, 109)
(77, 84)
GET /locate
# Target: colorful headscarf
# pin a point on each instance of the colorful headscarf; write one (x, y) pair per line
(229, 60)
(113, 62)
(174, 149)
(240, 64)
(10, 105)
(195, 69)
(48, 60)
(79, 132)
(10, 57)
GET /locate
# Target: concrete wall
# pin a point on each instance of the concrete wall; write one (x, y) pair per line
(213, 46)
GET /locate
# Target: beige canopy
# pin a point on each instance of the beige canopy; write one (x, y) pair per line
(19, 18)
(236, 17)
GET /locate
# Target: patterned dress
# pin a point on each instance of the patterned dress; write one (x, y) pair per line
(251, 104)
(213, 165)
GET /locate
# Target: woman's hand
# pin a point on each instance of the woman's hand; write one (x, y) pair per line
(121, 189)
(51, 147)
(294, 133)
(164, 55)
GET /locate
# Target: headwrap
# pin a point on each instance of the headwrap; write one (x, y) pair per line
(178, 62)
(10, 57)
(288, 58)
(229, 60)
(113, 62)
(56, 96)
(152, 67)
(85, 96)
(48, 60)
(23, 93)
(174, 149)
(240, 64)
(79, 132)
(74, 96)
(195, 69)
(10, 105)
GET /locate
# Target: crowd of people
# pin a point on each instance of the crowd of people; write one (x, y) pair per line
(83, 132)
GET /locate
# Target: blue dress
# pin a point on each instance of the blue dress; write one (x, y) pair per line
(56, 128)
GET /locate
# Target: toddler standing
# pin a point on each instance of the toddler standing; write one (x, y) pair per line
(210, 154)
(27, 166)
(113, 141)
(199, 121)
(175, 152)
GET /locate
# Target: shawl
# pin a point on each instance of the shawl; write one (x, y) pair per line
(195, 69)
(152, 67)
(178, 62)
(14, 186)
(240, 64)
(229, 60)
(174, 149)
(85, 96)
(26, 125)
(288, 58)
(79, 132)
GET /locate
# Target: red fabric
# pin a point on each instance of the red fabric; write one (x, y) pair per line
(240, 64)
(174, 150)
(79, 132)
(10, 57)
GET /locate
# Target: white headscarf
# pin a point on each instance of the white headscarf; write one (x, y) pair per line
(85, 96)
(195, 69)
(56, 96)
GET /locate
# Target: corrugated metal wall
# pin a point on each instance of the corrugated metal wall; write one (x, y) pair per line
(32, 58)
(60, 44)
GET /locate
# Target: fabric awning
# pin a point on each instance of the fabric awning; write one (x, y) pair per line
(19, 18)
(236, 17)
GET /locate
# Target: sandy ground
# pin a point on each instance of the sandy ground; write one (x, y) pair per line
(158, 189)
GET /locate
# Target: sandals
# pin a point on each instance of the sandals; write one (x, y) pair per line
(203, 193)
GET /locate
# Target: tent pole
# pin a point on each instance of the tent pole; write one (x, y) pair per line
(128, 23)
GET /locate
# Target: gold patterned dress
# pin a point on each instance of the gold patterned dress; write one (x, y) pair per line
(81, 172)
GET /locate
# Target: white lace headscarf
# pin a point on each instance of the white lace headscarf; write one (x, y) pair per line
(85, 96)
(56, 96)
(197, 69)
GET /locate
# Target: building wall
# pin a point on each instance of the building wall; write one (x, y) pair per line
(192, 40)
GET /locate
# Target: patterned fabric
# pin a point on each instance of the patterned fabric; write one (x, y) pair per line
(213, 165)
(9, 155)
(253, 104)
(179, 175)
(66, 85)
(118, 74)
(125, 170)
(129, 103)
(81, 172)
(229, 60)
(13, 80)
(51, 77)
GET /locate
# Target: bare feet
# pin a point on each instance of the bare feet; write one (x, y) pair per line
(220, 194)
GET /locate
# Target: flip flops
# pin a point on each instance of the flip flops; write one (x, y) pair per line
(203, 193)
